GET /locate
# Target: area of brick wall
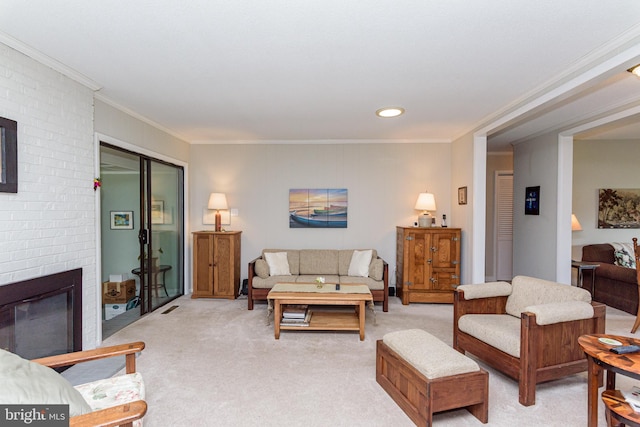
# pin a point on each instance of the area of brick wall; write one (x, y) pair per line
(49, 225)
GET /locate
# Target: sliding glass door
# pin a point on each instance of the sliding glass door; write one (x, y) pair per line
(161, 235)
(142, 231)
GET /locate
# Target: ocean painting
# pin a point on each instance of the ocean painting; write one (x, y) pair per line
(318, 208)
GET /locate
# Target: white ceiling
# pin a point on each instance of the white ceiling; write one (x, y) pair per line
(295, 70)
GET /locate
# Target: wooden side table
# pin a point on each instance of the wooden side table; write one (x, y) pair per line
(583, 266)
(601, 358)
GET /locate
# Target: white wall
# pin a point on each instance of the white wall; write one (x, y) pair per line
(383, 182)
(534, 236)
(49, 225)
(601, 164)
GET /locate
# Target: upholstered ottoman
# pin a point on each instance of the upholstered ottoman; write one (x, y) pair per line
(423, 375)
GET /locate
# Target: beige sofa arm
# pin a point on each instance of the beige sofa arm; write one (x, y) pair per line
(485, 290)
(556, 312)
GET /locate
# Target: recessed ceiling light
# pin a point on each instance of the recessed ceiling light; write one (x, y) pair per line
(390, 112)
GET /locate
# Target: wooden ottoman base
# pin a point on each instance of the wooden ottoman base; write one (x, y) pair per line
(420, 397)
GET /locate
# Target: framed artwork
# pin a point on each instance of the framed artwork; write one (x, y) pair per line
(532, 201)
(157, 212)
(618, 208)
(121, 220)
(318, 208)
(462, 195)
(8, 156)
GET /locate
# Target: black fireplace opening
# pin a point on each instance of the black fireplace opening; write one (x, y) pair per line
(42, 316)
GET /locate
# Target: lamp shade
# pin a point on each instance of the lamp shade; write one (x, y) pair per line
(426, 202)
(218, 201)
(575, 224)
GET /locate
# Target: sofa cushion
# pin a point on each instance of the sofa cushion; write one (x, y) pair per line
(501, 331)
(376, 269)
(311, 278)
(293, 256)
(374, 285)
(27, 382)
(260, 283)
(528, 291)
(278, 263)
(261, 268)
(359, 265)
(318, 262)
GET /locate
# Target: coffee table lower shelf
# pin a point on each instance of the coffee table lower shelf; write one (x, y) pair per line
(328, 321)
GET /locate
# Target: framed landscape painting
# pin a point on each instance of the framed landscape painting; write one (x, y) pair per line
(619, 208)
(318, 208)
(121, 220)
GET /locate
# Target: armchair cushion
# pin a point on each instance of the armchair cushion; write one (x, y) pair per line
(486, 290)
(376, 269)
(26, 382)
(501, 331)
(556, 312)
(528, 291)
(113, 391)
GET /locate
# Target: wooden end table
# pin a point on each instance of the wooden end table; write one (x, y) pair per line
(601, 358)
(583, 266)
(326, 295)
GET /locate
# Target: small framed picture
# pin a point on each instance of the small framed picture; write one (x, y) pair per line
(532, 201)
(462, 195)
(122, 220)
(157, 212)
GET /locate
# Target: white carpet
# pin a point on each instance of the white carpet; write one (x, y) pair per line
(213, 362)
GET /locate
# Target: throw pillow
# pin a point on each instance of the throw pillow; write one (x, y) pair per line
(278, 263)
(261, 268)
(624, 259)
(27, 382)
(359, 265)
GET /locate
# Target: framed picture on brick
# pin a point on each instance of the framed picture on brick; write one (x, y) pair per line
(8, 156)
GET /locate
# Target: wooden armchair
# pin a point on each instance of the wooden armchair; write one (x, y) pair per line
(636, 251)
(540, 345)
(120, 415)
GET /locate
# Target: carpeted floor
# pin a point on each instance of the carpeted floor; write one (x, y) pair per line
(213, 362)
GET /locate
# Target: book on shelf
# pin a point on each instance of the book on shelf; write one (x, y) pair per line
(295, 311)
(632, 397)
(297, 322)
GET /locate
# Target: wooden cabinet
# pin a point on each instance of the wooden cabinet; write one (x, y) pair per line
(427, 264)
(216, 264)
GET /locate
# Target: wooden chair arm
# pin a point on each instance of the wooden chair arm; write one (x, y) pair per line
(121, 415)
(128, 350)
(489, 305)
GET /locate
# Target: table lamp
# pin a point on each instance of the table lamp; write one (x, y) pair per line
(575, 224)
(426, 202)
(218, 201)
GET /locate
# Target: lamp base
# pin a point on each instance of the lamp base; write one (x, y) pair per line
(424, 221)
(218, 221)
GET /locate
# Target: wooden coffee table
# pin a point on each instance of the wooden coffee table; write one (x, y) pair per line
(325, 295)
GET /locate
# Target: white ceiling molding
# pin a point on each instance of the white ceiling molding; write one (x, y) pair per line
(48, 61)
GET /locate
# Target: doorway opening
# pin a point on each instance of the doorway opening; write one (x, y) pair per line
(142, 235)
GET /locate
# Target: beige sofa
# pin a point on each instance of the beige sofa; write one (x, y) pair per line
(305, 265)
(528, 329)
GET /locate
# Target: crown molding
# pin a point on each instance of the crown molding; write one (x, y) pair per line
(48, 61)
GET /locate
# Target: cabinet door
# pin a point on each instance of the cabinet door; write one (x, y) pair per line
(418, 255)
(203, 265)
(445, 250)
(223, 265)
(445, 247)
